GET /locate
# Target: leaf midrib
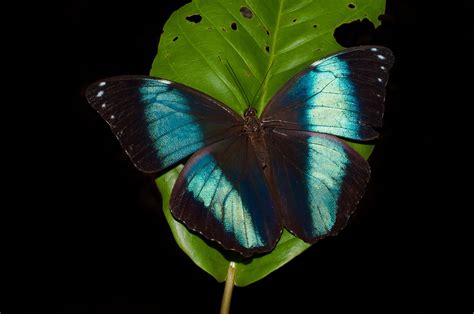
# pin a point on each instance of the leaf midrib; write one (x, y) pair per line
(261, 103)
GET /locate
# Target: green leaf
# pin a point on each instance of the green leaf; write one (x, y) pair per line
(363, 149)
(281, 37)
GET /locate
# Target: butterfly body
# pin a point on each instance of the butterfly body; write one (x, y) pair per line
(255, 131)
(249, 177)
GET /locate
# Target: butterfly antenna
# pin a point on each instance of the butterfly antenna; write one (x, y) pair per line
(261, 83)
(238, 83)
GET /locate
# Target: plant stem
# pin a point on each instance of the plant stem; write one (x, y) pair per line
(229, 287)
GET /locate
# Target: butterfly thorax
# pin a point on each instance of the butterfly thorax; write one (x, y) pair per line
(253, 125)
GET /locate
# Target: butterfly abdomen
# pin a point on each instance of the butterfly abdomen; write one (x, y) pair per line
(253, 129)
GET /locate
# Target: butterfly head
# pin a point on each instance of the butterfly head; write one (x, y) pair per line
(253, 124)
(250, 112)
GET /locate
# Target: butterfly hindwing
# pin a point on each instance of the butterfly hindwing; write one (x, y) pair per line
(159, 122)
(342, 95)
(222, 193)
(320, 180)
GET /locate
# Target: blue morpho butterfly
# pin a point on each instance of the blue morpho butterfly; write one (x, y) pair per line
(249, 177)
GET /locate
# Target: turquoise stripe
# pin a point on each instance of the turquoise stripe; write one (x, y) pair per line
(213, 189)
(174, 133)
(327, 163)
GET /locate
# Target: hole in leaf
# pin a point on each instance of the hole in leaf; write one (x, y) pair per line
(267, 48)
(351, 6)
(176, 38)
(315, 26)
(196, 18)
(294, 20)
(246, 12)
(233, 26)
(268, 32)
(355, 33)
(219, 57)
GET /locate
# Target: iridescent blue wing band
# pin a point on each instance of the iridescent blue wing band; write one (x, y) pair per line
(222, 193)
(159, 122)
(342, 95)
(320, 181)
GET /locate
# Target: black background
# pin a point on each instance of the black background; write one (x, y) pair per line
(94, 238)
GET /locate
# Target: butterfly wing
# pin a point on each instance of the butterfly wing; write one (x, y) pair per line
(222, 194)
(342, 95)
(320, 180)
(159, 122)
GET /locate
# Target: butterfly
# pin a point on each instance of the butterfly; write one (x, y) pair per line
(250, 177)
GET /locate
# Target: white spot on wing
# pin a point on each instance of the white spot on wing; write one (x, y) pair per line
(112, 117)
(100, 93)
(383, 68)
(103, 106)
(379, 79)
(374, 49)
(316, 63)
(381, 57)
(165, 82)
(102, 84)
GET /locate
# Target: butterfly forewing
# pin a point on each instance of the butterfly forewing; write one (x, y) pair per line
(342, 95)
(158, 122)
